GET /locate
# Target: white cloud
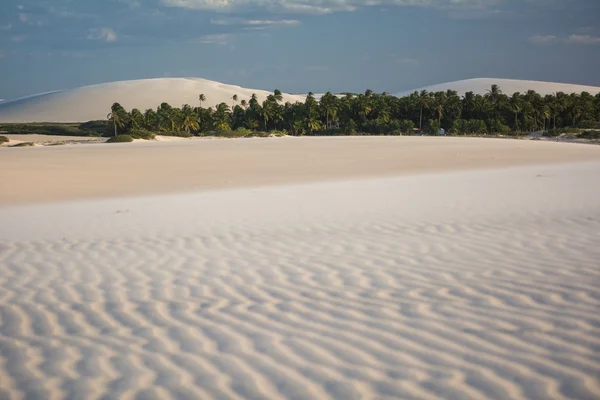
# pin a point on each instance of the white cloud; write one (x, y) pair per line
(319, 6)
(544, 40)
(255, 22)
(219, 39)
(583, 39)
(541, 40)
(103, 34)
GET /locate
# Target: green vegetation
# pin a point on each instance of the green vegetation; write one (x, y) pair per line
(92, 128)
(23, 144)
(3, 139)
(370, 113)
(120, 139)
(589, 135)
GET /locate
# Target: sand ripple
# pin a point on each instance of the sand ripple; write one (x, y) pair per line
(378, 305)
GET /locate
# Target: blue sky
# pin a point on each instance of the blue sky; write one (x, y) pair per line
(296, 45)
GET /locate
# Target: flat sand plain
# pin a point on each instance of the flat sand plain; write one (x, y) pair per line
(31, 175)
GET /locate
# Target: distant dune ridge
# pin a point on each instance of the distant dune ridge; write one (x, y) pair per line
(93, 102)
(508, 86)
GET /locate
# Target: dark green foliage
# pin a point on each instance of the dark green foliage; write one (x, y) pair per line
(588, 124)
(176, 134)
(370, 114)
(96, 127)
(23, 144)
(141, 134)
(3, 139)
(45, 129)
(120, 139)
(590, 135)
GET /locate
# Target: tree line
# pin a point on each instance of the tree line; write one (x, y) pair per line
(371, 113)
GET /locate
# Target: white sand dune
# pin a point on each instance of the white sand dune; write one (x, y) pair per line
(93, 102)
(508, 86)
(482, 285)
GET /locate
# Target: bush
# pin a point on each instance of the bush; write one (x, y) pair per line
(589, 135)
(24, 144)
(406, 126)
(100, 127)
(3, 139)
(587, 124)
(142, 134)
(120, 139)
(177, 134)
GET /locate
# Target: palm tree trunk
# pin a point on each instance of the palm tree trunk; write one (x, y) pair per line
(115, 128)
(421, 119)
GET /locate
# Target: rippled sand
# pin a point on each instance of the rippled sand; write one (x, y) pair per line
(482, 284)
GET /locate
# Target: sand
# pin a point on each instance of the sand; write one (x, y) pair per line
(46, 174)
(88, 103)
(398, 281)
(507, 86)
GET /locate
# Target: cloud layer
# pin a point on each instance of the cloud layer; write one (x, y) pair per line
(317, 6)
(546, 40)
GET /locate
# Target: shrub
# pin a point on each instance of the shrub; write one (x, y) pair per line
(587, 124)
(177, 134)
(590, 135)
(24, 144)
(120, 139)
(142, 134)
(100, 127)
(3, 139)
(406, 126)
(498, 126)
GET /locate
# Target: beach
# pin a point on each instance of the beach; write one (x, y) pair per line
(301, 268)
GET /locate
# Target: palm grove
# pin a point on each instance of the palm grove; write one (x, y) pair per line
(369, 113)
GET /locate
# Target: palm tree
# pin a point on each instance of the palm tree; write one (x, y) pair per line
(278, 95)
(439, 104)
(244, 104)
(202, 98)
(189, 119)
(516, 105)
(329, 107)
(235, 99)
(137, 119)
(424, 103)
(117, 116)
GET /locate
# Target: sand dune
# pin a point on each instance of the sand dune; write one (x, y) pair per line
(508, 86)
(481, 284)
(93, 102)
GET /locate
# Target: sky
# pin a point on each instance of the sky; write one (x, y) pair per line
(296, 46)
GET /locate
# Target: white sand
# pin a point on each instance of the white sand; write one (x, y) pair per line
(508, 86)
(61, 173)
(93, 102)
(463, 285)
(479, 283)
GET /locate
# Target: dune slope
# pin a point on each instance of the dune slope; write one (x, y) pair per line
(508, 86)
(93, 102)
